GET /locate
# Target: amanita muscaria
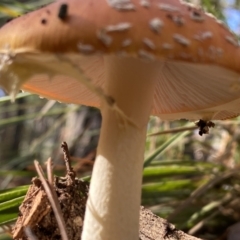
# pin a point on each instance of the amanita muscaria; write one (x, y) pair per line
(160, 57)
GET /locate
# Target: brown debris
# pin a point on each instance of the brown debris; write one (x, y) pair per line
(153, 227)
(204, 126)
(67, 158)
(34, 207)
(37, 214)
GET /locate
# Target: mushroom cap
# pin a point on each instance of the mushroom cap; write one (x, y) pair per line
(51, 49)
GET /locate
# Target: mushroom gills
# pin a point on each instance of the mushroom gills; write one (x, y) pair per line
(184, 90)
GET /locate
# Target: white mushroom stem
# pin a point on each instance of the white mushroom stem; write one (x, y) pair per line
(115, 192)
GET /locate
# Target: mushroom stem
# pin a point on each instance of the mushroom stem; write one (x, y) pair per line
(115, 192)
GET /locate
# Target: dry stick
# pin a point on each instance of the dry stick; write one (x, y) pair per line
(49, 171)
(52, 196)
(176, 130)
(66, 155)
(201, 190)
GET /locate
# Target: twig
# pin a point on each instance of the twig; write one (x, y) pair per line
(52, 196)
(175, 130)
(66, 156)
(49, 171)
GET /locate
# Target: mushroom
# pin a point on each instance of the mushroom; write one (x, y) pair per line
(134, 58)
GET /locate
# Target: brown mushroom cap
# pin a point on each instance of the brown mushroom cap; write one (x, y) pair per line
(199, 58)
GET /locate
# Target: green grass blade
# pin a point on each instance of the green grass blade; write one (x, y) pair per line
(17, 173)
(9, 210)
(8, 98)
(157, 173)
(159, 151)
(165, 188)
(8, 217)
(11, 194)
(11, 204)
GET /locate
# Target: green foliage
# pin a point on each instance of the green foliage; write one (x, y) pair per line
(164, 147)
(12, 8)
(10, 200)
(214, 7)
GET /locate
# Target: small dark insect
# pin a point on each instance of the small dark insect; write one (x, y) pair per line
(204, 126)
(63, 11)
(169, 228)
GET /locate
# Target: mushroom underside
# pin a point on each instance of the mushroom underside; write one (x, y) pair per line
(184, 90)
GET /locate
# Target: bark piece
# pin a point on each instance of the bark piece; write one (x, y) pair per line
(36, 212)
(153, 227)
(34, 207)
